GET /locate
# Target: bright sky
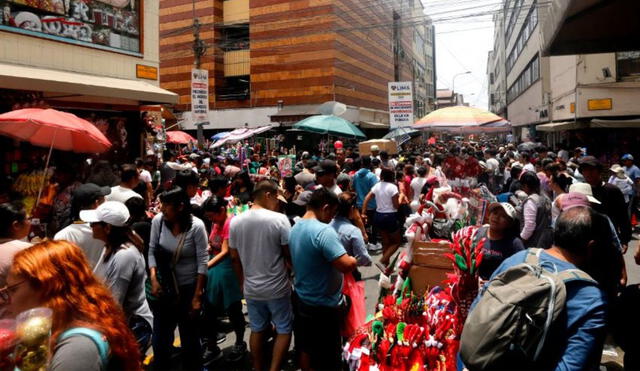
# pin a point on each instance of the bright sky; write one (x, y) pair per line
(464, 36)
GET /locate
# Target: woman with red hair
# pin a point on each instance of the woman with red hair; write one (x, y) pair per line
(56, 275)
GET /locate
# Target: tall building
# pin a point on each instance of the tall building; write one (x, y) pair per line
(278, 61)
(496, 69)
(564, 98)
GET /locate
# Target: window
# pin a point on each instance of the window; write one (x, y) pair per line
(528, 77)
(628, 64)
(530, 24)
(514, 13)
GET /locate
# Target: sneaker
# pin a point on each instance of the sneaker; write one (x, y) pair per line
(374, 248)
(237, 352)
(221, 337)
(211, 356)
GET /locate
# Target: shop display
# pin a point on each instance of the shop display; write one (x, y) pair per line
(7, 343)
(421, 332)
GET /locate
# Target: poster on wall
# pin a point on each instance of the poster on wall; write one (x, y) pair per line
(104, 24)
(400, 104)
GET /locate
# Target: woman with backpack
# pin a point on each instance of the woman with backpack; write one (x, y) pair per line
(122, 266)
(534, 214)
(89, 331)
(178, 271)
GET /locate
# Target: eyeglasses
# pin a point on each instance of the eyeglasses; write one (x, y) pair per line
(5, 292)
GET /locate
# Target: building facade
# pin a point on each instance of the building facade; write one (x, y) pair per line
(496, 69)
(560, 98)
(277, 61)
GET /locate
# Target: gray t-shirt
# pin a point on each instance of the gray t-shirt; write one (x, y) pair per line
(124, 274)
(259, 235)
(193, 257)
(76, 353)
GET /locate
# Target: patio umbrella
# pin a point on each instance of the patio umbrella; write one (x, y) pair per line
(330, 124)
(241, 134)
(179, 137)
(220, 135)
(456, 117)
(53, 129)
(400, 132)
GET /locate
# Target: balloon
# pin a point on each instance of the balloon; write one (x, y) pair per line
(338, 144)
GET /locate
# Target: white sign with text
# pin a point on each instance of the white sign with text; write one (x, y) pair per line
(400, 104)
(200, 95)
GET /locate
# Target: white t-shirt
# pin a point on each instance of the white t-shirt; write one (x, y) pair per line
(81, 234)
(493, 166)
(384, 193)
(529, 167)
(145, 176)
(121, 194)
(416, 185)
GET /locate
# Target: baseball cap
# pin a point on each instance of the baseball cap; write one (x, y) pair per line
(326, 167)
(110, 212)
(303, 198)
(585, 189)
(88, 192)
(508, 209)
(573, 199)
(627, 156)
(589, 161)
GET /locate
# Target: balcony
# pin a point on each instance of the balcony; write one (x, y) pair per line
(236, 63)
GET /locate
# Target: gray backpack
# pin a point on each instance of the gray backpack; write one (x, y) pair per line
(513, 317)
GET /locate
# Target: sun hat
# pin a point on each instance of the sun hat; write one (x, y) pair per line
(616, 168)
(585, 189)
(110, 212)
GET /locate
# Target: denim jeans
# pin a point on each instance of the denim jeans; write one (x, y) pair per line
(169, 312)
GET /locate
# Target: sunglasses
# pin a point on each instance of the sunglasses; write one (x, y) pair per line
(5, 292)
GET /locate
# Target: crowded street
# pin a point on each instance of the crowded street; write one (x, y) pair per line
(340, 185)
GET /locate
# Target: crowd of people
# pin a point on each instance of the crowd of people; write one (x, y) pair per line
(137, 251)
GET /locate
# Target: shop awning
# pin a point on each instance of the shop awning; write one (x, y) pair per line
(590, 26)
(554, 127)
(373, 125)
(40, 79)
(615, 124)
(293, 113)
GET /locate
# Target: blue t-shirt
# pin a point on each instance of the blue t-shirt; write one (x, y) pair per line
(314, 245)
(363, 181)
(580, 338)
(632, 172)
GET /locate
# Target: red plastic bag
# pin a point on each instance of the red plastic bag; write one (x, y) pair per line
(358, 313)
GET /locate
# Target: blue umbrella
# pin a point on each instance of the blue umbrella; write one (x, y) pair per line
(400, 132)
(220, 135)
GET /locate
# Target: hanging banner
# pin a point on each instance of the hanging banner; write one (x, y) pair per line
(400, 104)
(200, 95)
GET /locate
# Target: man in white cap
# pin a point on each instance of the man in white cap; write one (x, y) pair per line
(375, 152)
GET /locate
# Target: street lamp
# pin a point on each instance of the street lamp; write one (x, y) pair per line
(453, 82)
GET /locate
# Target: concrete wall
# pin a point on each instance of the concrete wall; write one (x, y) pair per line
(563, 85)
(522, 111)
(37, 52)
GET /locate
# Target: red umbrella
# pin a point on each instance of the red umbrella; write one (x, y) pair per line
(54, 129)
(179, 137)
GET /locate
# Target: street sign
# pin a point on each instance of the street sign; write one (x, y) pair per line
(200, 95)
(400, 104)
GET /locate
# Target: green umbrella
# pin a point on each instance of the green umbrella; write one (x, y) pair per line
(330, 124)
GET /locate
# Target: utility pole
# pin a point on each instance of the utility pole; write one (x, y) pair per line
(199, 50)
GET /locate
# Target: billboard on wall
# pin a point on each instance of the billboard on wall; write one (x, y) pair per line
(104, 24)
(400, 104)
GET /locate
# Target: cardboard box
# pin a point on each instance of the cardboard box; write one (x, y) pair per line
(430, 266)
(384, 144)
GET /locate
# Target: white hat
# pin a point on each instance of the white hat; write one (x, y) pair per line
(375, 148)
(585, 189)
(110, 212)
(507, 207)
(616, 168)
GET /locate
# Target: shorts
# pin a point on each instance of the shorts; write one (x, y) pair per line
(263, 313)
(386, 221)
